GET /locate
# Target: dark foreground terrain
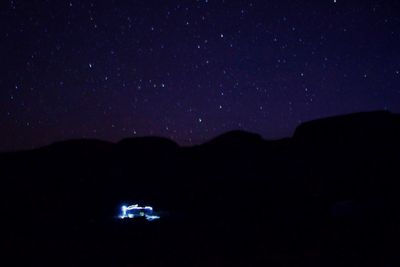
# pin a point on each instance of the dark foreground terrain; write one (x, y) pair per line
(328, 196)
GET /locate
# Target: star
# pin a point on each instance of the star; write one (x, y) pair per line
(163, 68)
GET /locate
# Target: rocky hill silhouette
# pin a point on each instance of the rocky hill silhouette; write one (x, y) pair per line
(328, 196)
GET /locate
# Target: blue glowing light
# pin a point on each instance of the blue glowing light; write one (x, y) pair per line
(136, 211)
(152, 217)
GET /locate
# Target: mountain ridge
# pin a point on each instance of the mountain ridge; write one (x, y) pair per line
(310, 128)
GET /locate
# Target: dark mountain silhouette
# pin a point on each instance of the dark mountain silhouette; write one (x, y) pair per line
(147, 143)
(328, 196)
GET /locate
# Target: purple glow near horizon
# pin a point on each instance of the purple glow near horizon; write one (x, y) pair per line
(190, 70)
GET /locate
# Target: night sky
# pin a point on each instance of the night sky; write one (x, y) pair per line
(190, 70)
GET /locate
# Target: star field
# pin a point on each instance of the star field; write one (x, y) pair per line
(190, 70)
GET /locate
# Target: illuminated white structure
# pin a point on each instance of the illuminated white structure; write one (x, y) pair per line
(135, 211)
